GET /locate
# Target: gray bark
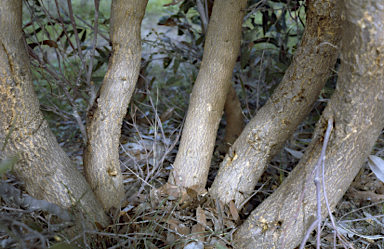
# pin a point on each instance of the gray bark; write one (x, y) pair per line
(209, 94)
(358, 113)
(44, 167)
(101, 157)
(290, 103)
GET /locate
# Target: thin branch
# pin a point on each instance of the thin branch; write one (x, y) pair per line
(203, 14)
(91, 86)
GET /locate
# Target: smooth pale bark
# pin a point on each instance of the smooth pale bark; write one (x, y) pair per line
(290, 103)
(101, 157)
(44, 167)
(357, 107)
(209, 94)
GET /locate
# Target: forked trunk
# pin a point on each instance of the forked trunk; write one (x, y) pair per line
(44, 167)
(357, 110)
(290, 103)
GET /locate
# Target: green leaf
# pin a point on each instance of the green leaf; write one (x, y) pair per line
(186, 5)
(176, 64)
(200, 40)
(163, 20)
(180, 31)
(244, 57)
(84, 36)
(34, 226)
(101, 53)
(267, 39)
(196, 20)
(174, 79)
(281, 66)
(166, 62)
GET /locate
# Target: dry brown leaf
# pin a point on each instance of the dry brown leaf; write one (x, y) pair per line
(171, 237)
(229, 223)
(365, 195)
(198, 232)
(141, 208)
(234, 211)
(221, 207)
(214, 241)
(169, 189)
(50, 43)
(192, 193)
(329, 237)
(200, 216)
(171, 221)
(202, 222)
(182, 229)
(216, 223)
(220, 212)
(167, 114)
(150, 245)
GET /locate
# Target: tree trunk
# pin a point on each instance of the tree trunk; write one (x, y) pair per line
(290, 103)
(101, 157)
(44, 167)
(358, 113)
(209, 93)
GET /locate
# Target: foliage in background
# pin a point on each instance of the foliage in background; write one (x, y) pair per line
(271, 32)
(172, 52)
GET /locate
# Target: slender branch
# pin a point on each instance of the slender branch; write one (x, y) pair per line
(322, 155)
(317, 182)
(203, 14)
(91, 86)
